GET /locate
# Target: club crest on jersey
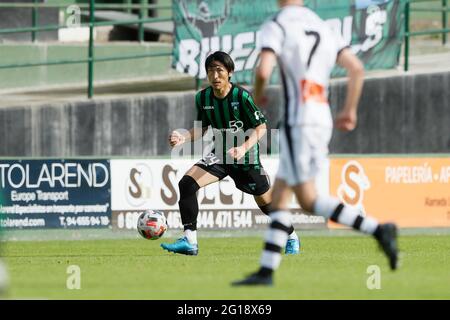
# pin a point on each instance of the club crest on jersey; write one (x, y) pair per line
(235, 105)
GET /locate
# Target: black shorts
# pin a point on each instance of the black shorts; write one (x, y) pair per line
(249, 179)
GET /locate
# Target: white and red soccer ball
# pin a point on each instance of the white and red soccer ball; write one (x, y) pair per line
(152, 224)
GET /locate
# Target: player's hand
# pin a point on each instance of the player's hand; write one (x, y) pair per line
(237, 152)
(346, 121)
(176, 138)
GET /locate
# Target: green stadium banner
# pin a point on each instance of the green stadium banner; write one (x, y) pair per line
(373, 29)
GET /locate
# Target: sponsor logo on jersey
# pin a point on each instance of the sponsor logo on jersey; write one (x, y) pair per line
(235, 126)
(258, 115)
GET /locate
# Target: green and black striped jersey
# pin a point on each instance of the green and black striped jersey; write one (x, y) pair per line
(234, 117)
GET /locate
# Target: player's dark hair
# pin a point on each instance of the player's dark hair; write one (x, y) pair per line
(223, 58)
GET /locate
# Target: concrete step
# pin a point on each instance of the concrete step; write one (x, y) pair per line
(27, 78)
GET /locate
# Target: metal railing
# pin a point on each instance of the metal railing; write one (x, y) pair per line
(143, 8)
(408, 34)
(91, 59)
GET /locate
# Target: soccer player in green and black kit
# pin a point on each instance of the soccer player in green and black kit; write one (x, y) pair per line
(230, 111)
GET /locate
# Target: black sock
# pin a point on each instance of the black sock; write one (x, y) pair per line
(267, 209)
(189, 212)
(377, 232)
(188, 202)
(265, 272)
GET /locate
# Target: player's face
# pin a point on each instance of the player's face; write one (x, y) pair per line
(218, 75)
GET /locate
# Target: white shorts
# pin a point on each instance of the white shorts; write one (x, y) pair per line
(303, 153)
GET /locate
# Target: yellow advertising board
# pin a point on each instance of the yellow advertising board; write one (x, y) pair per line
(412, 192)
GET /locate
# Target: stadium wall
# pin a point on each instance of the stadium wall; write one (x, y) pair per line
(22, 18)
(401, 114)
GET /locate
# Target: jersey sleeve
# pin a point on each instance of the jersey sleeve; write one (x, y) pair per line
(253, 114)
(271, 37)
(201, 114)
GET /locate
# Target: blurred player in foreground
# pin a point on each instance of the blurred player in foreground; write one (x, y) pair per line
(307, 50)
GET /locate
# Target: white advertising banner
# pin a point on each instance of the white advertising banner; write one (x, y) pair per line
(140, 184)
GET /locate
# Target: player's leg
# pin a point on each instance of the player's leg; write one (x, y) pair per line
(264, 202)
(315, 146)
(255, 181)
(191, 182)
(275, 237)
(196, 177)
(331, 208)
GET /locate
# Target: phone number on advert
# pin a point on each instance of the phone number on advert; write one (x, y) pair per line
(84, 221)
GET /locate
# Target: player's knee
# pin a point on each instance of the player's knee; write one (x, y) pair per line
(307, 204)
(187, 186)
(283, 217)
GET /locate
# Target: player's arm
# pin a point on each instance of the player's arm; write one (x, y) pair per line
(257, 134)
(347, 118)
(177, 137)
(262, 75)
(256, 119)
(271, 45)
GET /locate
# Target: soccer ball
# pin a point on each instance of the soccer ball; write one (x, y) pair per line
(152, 224)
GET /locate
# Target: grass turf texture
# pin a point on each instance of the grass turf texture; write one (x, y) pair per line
(328, 268)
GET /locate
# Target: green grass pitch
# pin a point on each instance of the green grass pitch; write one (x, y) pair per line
(329, 267)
